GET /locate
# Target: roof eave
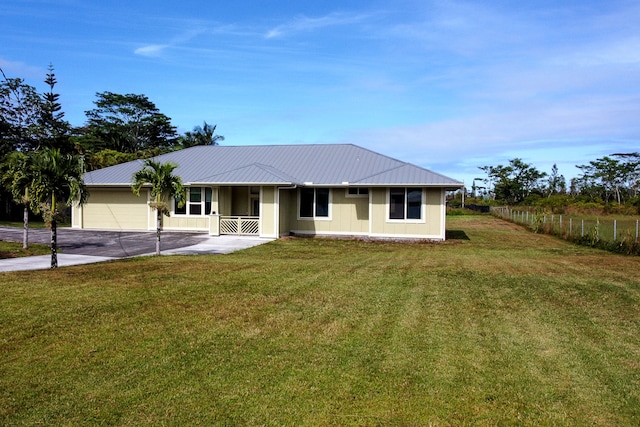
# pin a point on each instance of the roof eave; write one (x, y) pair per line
(109, 184)
(447, 186)
(240, 183)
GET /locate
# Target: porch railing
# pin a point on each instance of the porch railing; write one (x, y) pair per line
(240, 225)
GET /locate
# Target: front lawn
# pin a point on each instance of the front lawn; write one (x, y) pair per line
(497, 326)
(14, 250)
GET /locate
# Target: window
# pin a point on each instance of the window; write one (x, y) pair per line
(314, 203)
(194, 204)
(357, 192)
(198, 202)
(405, 203)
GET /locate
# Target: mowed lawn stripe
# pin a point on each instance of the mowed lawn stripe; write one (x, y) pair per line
(497, 326)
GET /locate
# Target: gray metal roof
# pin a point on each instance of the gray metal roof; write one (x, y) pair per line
(327, 164)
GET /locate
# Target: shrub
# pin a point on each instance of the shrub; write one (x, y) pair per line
(460, 211)
(556, 203)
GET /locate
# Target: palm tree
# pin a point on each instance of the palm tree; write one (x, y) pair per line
(164, 185)
(201, 135)
(17, 177)
(56, 184)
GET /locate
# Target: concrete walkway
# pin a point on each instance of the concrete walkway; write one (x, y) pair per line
(90, 246)
(43, 262)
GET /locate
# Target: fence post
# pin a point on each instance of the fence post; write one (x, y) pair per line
(582, 230)
(570, 226)
(615, 230)
(560, 224)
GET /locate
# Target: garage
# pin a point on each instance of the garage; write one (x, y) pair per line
(114, 209)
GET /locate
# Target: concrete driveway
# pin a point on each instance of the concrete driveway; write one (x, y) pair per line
(84, 246)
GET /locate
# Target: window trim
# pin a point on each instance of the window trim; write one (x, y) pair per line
(406, 220)
(202, 203)
(358, 194)
(315, 217)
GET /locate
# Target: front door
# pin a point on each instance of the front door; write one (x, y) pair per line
(255, 205)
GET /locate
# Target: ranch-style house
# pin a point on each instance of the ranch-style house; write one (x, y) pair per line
(277, 190)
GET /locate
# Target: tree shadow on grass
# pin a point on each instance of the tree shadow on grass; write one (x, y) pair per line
(456, 235)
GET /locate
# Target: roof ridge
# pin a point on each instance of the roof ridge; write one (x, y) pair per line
(267, 168)
(275, 171)
(380, 173)
(317, 144)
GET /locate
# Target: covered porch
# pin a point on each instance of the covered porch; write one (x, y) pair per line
(227, 210)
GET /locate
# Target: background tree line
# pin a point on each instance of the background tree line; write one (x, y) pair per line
(611, 182)
(119, 128)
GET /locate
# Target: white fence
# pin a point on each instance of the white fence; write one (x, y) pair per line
(240, 225)
(606, 229)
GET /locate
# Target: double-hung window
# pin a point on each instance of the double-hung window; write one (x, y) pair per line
(198, 202)
(405, 203)
(314, 203)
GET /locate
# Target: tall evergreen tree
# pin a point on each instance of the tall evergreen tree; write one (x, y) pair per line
(556, 183)
(55, 131)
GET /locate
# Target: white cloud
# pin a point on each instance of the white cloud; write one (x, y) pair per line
(303, 23)
(195, 29)
(14, 69)
(621, 51)
(566, 133)
(151, 50)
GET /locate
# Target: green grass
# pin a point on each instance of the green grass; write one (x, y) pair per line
(497, 326)
(14, 250)
(32, 224)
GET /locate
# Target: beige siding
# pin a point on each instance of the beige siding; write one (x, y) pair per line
(268, 212)
(184, 222)
(369, 216)
(224, 200)
(430, 227)
(285, 199)
(357, 216)
(76, 216)
(348, 216)
(116, 209)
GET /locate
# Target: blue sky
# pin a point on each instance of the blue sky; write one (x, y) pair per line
(447, 85)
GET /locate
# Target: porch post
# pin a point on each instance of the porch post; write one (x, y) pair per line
(214, 224)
